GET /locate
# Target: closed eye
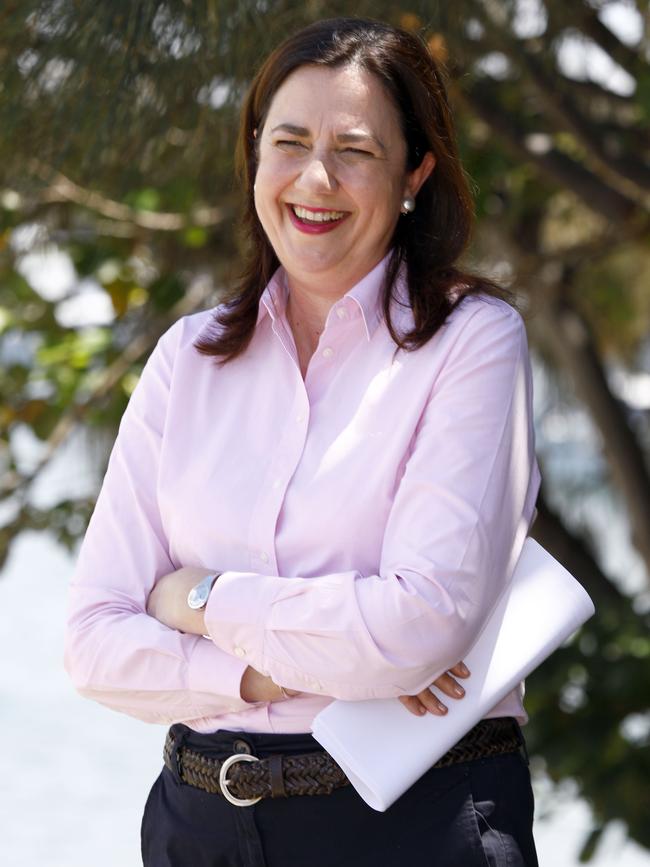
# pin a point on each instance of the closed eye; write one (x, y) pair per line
(293, 143)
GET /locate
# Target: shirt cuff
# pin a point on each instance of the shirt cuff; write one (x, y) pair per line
(237, 614)
(216, 673)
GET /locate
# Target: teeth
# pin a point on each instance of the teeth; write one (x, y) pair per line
(317, 216)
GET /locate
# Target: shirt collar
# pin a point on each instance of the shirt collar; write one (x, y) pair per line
(273, 300)
(366, 295)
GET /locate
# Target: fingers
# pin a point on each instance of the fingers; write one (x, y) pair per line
(412, 703)
(446, 683)
(460, 670)
(422, 703)
(432, 703)
(427, 701)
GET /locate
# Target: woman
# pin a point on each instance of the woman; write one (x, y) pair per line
(320, 488)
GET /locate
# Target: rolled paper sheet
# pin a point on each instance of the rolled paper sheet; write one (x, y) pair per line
(384, 749)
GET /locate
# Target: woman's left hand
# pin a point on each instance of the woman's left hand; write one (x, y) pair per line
(167, 601)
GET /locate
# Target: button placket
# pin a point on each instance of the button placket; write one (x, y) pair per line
(274, 481)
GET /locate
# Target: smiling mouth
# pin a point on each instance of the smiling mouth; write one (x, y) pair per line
(317, 217)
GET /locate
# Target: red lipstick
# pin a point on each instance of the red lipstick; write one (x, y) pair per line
(314, 228)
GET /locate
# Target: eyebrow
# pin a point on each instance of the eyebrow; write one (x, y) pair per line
(346, 137)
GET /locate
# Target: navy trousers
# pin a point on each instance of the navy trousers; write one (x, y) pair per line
(472, 814)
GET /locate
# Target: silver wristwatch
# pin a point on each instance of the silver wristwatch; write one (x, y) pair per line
(197, 598)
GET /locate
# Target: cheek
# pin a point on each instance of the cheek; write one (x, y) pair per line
(264, 184)
(269, 178)
(394, 188)
(274, 164)
(267, 189)
(266, 217)
(382, 204)
(381, 191)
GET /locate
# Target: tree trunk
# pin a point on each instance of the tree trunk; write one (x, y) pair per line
(567, 336)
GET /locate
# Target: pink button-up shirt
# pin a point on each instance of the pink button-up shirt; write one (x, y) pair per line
(367, 518)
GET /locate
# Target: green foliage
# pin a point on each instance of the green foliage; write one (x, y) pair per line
(589, 716)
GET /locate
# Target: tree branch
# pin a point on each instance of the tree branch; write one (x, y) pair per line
(62, 189)
(568, 336)
(585, 18)
(570, 550)
(629, 176)
(556, 165)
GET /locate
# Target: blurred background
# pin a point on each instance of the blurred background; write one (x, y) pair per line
(118, 215)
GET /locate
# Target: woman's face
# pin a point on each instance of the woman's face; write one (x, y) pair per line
(332, 175)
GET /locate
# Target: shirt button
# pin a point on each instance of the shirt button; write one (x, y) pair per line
(315, 684)
(264, 557)
(299, 417)
(276, 484)
(328, 352)
(239, 651)
(341, 312)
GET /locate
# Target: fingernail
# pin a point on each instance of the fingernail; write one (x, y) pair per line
(458, 690)
(464, 669)
(442, 708)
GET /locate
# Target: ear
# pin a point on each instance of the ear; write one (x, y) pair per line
(417, 177)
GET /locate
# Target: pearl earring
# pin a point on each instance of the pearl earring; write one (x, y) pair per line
(408, 205)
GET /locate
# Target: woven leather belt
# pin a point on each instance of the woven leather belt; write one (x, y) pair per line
(244, 779)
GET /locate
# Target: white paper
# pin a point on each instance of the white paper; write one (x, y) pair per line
(384, 749)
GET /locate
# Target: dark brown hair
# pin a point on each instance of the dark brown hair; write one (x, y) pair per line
(428, 241)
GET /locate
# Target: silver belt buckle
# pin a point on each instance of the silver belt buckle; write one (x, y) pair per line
(223, 782)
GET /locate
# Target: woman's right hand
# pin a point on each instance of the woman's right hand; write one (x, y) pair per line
(426, 701)
(255, 686)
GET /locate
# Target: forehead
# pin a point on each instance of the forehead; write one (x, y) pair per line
(318, 97)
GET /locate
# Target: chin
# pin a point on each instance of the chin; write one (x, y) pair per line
(311, 264)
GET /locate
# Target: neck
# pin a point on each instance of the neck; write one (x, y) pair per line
(307, 314)
(308, 304)
(307, 309)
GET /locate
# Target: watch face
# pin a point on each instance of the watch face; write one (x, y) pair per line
(198, 596)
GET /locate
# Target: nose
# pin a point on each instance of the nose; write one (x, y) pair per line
(317, 175)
